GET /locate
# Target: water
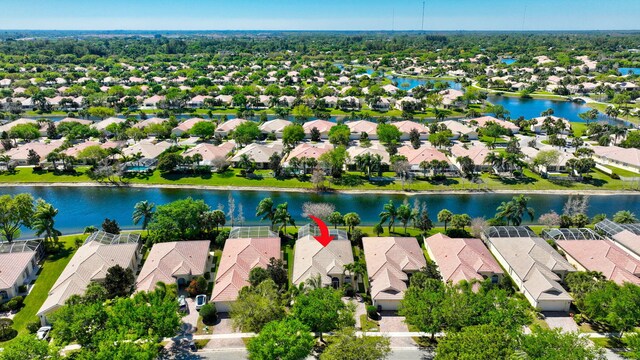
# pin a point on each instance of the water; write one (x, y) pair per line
(137, 168)
(80, 207)
(410, 83)
(531, 108)
(508, 61)
(626, 71)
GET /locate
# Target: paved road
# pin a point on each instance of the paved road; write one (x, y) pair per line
(396, 354)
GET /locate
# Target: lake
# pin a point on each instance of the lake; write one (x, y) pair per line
(626, 71)
(410, 83)
(508, 61)
(80, 207)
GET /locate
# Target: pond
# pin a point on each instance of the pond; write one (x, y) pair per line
(410, 83)
(531, 108)
(626, 71)
(80, 207)
(508, 61)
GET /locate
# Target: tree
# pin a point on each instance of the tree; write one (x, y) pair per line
(33, 158)
(101, 112)
(246, 133)
(422, 304)
(143, 211)
(275, 164)
(209, 314)
(168, 162)
(287, 339)
(44, 221)
(315, 134)
(422, 221)
(476, 342)
(467, 166)
(320, 210)
(514, 210)
(267, 211)
(414, 138)
(460, 221)
(283, 217)
(180, 219)
(345, 345)
(277, 271)
(257, 275)
(336, 219)
(26, 131)
(334, 160)
(15, 212)
(110, 226)
(119, 281)
(389, 213)
(27, 347)
(405, 215)
(632, 342)
(292, 134)
(494, 131)
(625, 217)
(352, 220)
(197, 286)
(302, 112)
(388, 133)
(555, 344)
(339, 135)
(445, 216)
(93, 154)
(546, 158)
(322, 310)
(203, 129)
(256, 306)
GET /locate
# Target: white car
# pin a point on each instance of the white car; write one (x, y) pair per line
(200, 301)
(43, 333)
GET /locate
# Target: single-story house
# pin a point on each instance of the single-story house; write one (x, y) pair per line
(239, 256)
(312, 259)
(483, 120)
(538, 123)
(226, 127)
(18, 261)
(209, 152)
(362, 126)
(91, 261)
(624, 158)
(275, 126)
(476, 151)
(308, 151)
(174, 262)
(20, 154)
(462, 259)
(147, 149)
(459, 129)
(323, 127)
(102, 125)
(535, 267)
(185, 126)
(406, 126)
(260, 153)
(424, 153)
(390, 263)
(626, 236)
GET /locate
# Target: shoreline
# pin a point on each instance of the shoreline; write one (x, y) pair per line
(336, 191)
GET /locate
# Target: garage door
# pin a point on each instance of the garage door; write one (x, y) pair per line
(388, 304)
(554, 305)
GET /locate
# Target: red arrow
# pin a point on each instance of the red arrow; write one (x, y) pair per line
(324, 237)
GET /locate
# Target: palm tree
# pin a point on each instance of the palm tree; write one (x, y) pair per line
(389, 214)
(355, 269)
(44, 221)
(425, 166)
(496, 160)
(514, 210)
(283, 217)
(245, 163)
(467, 166)
(143, 211)
(313, 283)
(267, 210)
(625, 217)
(444, 216)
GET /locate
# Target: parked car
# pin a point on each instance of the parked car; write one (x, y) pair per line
(43, 333)
(182, 303)
(200, 301)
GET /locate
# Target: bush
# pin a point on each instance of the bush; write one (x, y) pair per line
(22, 288)
(33, 326)
(457, 233)
(197, 286)
(15, 303)
(439, 177)
(372, 312)
(207, 275)
(356, 236)
(209, 314)
(579, 319)
(7, 332)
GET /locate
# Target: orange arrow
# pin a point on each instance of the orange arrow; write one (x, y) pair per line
(324, 237)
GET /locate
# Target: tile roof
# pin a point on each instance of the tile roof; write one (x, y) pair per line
(12, 265)
(311, 259)
(167, 261)
(275, 125)
(322, 125)
(424, 153)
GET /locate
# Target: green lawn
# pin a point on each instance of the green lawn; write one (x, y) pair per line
(622, 172)
(601, 107)
(51, 269)
(368, 324)
(578, 128)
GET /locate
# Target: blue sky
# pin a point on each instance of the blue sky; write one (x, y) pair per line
(320, 15)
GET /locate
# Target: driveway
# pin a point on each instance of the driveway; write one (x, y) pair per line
(360, 309)
(391, 322)
(190, 320)
(223, 326)
(560, 320)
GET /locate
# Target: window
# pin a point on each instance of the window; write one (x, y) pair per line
(4, 295)
(494, 279)
(335, 282)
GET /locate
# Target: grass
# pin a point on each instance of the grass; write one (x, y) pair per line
(578, 128)
(52, 267)
(201, 343)
(608, 342)
(622, 172)
(288, 253)
(367, 324)
(351, 180)
(541, 323)
(601, 107)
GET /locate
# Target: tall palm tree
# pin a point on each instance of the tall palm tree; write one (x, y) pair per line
(283, 217)
(44, 221)
(267, 210)
(355, 269)
(496, 160)
(143, 211)
(514, 210)
(389, 213)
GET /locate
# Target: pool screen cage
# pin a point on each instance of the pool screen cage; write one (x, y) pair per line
(509, 232)
(248, 232)
(106, 238)
(314, 230)
(19, 246)
(611, 228)
(570, 234)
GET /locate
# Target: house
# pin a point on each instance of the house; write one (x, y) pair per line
(462, 259)
(483, 120)
(626, 236)
(323, 126)
(535, 267)
(146, 149)
(588, 251)
(424, 153)
(260, 153)
(374, 149)
(197, 101)
(242, 252)
(151, 121)
(476, 151)
(226, 127)
(185, 126)
(102, 125)
(77, 148)
(90, 263)
(18, 262)
(312, 259)
(152, 102)
(308, 151)
(459, 130)
(8, 126)
(450, 97)
(624, 158)
(275, 126)
(538, 124)
(390, 263)
(174, 262)
(210, 152)
(362, 126)
(406, 126)
(559, 166)
(20, 154)
(72, 120)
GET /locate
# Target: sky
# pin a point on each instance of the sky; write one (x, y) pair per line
(320, 15)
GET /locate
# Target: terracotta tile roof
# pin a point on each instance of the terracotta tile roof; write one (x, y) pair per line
(12, 265)
(210, 151)
(362, 126)
(461, 259)
(322, 125)
(477, 152)
(307, 150)
(311, 259)
(275, 125)
(186, 125)
(406, 126)
(238, 258)
(230, 125)
(389, 259)
(424, 153)
(167, 261)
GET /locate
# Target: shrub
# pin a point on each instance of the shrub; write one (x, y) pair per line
(7, 332)
(197, 286)
(15, 303)
(579, 318)
(209, 314)
(207, 275)
(372, 312)
(356, 236)
(22, 288)
(33, 326)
